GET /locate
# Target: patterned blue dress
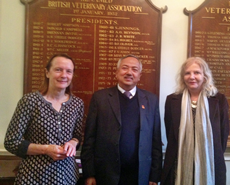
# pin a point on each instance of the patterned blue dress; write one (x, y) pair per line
(36, 121)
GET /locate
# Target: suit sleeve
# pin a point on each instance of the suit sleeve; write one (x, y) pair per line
(168, 117)
(87, 153)
(224, 120)
(156, 147)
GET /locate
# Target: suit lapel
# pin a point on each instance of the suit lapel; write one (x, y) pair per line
(114, 102)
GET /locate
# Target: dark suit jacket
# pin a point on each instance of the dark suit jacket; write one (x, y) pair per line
(100, 151)
(218, 111)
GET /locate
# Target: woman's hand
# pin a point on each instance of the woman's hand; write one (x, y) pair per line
(70, 147)
(56, 152)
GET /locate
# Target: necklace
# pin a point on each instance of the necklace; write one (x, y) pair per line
(194, 104)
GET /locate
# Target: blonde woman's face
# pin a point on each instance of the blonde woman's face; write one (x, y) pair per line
(194, 78)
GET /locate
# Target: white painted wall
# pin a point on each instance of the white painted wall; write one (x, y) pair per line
(12, 15)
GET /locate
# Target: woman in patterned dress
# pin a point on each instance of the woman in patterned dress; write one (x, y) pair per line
(46, 128)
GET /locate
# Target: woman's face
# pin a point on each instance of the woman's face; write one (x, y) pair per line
(194, 78)
(61, 73)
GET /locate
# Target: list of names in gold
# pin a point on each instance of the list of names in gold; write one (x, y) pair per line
(215, 47)
(96, 34)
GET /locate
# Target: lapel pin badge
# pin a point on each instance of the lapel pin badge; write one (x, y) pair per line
(143, 107)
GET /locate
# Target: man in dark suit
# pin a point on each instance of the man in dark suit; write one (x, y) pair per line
(122, 144)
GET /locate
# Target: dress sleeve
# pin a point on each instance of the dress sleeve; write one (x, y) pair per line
(14, 141)
(78, 125)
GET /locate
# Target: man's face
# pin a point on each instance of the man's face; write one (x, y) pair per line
(128, 74)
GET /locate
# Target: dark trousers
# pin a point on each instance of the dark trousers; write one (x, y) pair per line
(129, 176)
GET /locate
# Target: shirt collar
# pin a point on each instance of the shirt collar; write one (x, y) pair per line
(132, 91)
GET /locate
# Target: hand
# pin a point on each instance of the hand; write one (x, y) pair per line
(90, 181)
(152, 183)
(56, 152)
(70, 147)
